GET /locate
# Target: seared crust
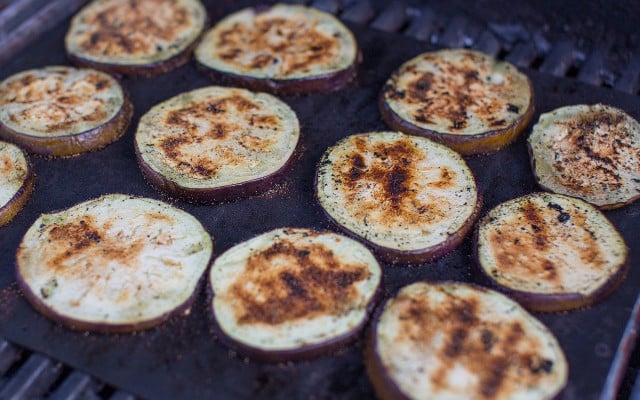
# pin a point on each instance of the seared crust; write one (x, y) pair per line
(410, 199)
(461, 98)
(16, 181)
(113, 264)
(63, 111)
(550, 252)
(588, 151)
(285, 49)
(135, 37)
(216, 143)
(460, 341)
(293, 294)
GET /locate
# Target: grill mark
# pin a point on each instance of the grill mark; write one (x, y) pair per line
(295, 281)
(134, 27)
(295, 45)
(457, 91)
(388, 170)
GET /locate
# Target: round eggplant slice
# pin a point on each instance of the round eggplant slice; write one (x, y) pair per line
(16, 181)
(408, 198)
(462, 98)
(113, 264)
(288, 49)
(217, 143)
(138, 38)
(293, 294)
(63, 111)
(588, 151)
(550, 252)
(459, 341)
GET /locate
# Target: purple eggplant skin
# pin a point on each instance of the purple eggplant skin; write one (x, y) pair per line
(19, 200)
(483, 143)
(217, 194)
(539, 302)
(144, 70)
(408, 257)
(303, 353)
(318, 84)
(70, 145)
(78, 325)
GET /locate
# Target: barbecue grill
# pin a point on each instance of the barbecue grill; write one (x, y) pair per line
(590, 59)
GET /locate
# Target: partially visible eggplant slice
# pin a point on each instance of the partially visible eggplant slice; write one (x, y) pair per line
(461, 98)
(460, 341)
(217, 143)
(142, 38)
(408, 198)
(293, 293)
(16, 181)
(286, 49)
(113, 264)
(550, 252)
(588, 151)
(63, 111)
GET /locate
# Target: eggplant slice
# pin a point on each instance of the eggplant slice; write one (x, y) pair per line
(588, 151)
(113, 264)
(16, 181)
(460, 341)
(292, 294)
(410, 199)
(288, 49)
(63, 111)
(464, 99)
(217, 143)
(550, 252)
(139, 38)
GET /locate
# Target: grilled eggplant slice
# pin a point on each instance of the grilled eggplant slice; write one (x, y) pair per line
(550, 252)
(16, 181)
(113, 264)
(288, 49)
(63, 111)
(459, 341)
(293, 293)
(588, 151)
(217, 143)
(410, 199)
(139, 38)
(462, 98)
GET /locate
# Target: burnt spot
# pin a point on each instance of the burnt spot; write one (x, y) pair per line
(488, 340)
(261, 61)
(534, 219)
(497, 123)
(513, 108)
(539, 365)
(493, 375)
(549, 270)
(171, 145)
(417, 90)
(295, 281)
(455, 346)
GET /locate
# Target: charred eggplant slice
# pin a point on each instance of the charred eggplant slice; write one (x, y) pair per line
(459, 341)
(293, 293)
(287, 49)
(139, 38)
(63, 111)
(410, 199)
(113, 264)
(217, 143)
(588, 151)
(462, 98)
(16, 181)
(550, 252)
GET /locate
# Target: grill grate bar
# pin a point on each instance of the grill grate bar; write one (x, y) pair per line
(77, 386)
(559, 60)
(422, 25)
(523, 55)
(460, 32)
(392, 18)
(591, 70)
(9, 355)
(629, 81)
(360, 12)
(488, 43)
(32, 379)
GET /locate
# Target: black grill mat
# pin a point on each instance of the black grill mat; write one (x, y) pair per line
(182, 358)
